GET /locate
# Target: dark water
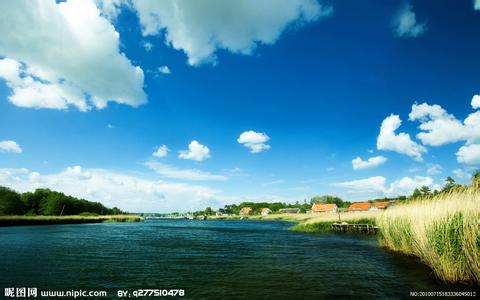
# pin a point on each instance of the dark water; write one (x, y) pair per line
(209, 259)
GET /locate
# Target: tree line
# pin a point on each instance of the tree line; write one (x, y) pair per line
(423, 191)
(48, 203)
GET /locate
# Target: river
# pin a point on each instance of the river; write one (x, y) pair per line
(208, 259)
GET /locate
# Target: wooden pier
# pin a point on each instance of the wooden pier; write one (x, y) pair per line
(363, 228)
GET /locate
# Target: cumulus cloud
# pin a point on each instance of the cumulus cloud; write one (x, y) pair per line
(469, 154)
(200, 28)
(255, 141)
(164, 70)
(170, 171)
(161, 151)
(476, 101)
(440, 128)
(377, 186)
(406, 185)
(111, 8)
(400, 143)
(406, 24)
(360, 164)
(51, 51)
(129, 192)
(196, 151)
(10, 146)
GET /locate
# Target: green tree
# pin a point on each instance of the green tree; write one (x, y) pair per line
(10, 202)
(449, 184)
(208, 211)
(416, 193)
(425, 190)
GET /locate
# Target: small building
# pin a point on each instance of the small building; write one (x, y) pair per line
(381, 205)
(362, 206)
(289, 210)
(324, 208)
(265, 211)
(245, 210)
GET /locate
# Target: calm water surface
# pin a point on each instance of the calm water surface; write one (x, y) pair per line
(209, 259)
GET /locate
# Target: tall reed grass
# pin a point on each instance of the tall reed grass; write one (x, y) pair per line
(442, 230)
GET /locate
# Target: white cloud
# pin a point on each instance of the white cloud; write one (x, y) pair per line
(255, 141)
(161, 151)
(406, 24)
(360, 164)
(439, 127)
(406, 185)
(10, 146)
(196, 151)
(52, 49)
(469, 154)
(461, 174)
(476, 4)
(476, 100)
(377, 186)
(401, 143)
(164, 70)
(434, 169)
(187, 174)
(200, 28)
(111, 8)
(132, 193)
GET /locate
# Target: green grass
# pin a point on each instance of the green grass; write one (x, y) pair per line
(326, 226)
(75, 219)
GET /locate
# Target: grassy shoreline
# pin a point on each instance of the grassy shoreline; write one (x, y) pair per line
(312, 222)
(74, 219)
(443, 231)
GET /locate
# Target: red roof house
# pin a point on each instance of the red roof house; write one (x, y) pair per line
(320, 207)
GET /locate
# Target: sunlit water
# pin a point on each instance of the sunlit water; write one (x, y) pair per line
(209, 259)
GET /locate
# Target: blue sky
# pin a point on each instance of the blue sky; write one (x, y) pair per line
(86, 98)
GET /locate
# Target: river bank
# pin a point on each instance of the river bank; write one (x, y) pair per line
(313, 222)
(75, 219)
(443, 230)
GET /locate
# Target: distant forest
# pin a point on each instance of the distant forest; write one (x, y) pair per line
(48, 203)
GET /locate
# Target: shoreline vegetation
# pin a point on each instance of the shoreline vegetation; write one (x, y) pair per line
(45, 207)
(74, 219)
(442, 230)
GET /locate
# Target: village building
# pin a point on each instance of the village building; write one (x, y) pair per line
(381, 205)
(324, 208)
(289, 210)
(265, 211)
(362, 206)
(245, 210)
